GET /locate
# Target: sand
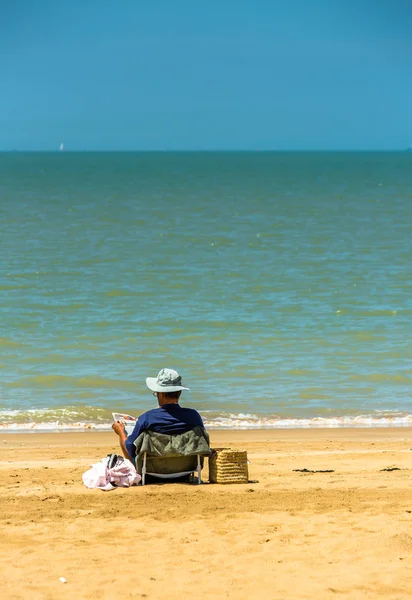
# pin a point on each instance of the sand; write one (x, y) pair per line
(285, 534)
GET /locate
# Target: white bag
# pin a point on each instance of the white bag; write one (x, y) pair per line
(111, 472)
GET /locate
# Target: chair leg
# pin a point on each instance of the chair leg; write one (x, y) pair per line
(199, 470)
(144, 469)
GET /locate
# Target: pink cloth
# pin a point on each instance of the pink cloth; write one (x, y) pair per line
(122, 474)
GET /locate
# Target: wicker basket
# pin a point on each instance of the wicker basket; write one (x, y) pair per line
(227, 465)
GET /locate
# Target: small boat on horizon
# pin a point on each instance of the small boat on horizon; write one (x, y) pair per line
(61, 147)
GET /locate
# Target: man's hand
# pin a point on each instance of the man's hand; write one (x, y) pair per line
(118, 427)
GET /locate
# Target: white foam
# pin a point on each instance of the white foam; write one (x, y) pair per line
(241, 421)
(53, 426)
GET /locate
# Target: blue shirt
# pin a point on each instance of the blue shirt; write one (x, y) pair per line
(170, 418)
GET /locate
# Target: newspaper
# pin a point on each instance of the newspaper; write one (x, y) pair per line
(128, 420)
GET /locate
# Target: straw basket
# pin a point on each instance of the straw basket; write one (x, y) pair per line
(228, 466)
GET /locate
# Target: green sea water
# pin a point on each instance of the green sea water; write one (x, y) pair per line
(278, 284)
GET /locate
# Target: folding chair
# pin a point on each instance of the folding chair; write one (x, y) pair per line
(169, 456)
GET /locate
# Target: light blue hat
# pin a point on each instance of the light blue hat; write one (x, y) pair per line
(167, 380)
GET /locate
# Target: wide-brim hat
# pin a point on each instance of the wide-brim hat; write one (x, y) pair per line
(167, 380)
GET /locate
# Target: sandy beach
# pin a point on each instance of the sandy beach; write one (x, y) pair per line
(285, 534)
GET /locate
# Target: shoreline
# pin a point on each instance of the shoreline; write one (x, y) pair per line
(267, 435)
(84, 429)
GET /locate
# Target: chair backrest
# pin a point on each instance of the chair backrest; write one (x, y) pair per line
(171, 453)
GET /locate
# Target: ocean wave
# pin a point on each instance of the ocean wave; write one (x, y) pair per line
(246, 421)
(73, 419)
(94, 381)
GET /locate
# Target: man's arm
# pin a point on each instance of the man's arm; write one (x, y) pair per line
(118, 428)
(198, 419)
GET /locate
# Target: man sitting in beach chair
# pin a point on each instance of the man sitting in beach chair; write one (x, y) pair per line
(168, 441)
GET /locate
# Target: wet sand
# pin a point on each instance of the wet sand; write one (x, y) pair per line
(286, 534)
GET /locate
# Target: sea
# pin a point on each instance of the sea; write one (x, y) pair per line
(278, 284)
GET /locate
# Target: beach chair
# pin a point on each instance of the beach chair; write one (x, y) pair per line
(171, 456)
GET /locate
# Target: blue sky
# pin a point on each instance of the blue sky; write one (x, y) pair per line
(133, 75)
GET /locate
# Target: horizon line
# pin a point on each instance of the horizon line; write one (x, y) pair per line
(198, 151)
